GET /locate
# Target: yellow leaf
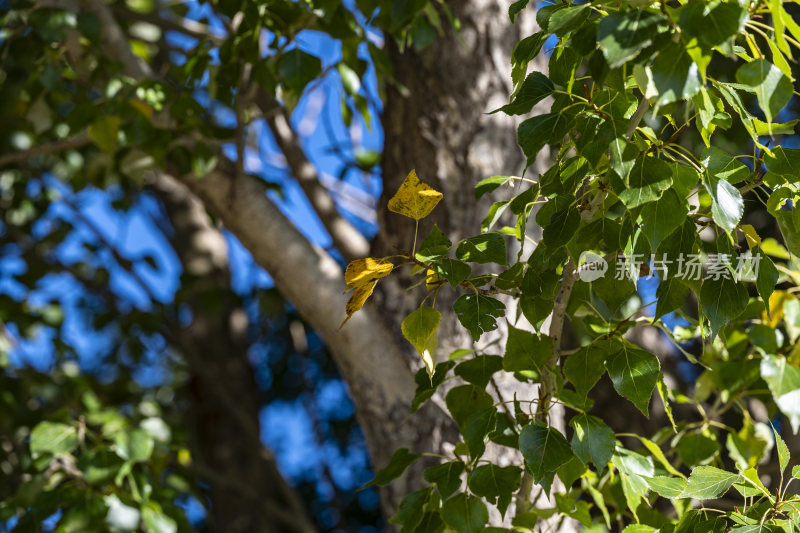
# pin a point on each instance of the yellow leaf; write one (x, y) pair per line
(750, 233)
(142, 107)
(357, 300)
(414, 199)
(776, 301)
(432, 280)
(362, 271)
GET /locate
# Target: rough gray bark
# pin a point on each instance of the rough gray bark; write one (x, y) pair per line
(248, 492)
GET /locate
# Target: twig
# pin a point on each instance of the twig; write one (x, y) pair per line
(556, 330)
(73, 142)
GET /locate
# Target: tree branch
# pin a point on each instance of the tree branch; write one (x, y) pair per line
(346, 238)
(77, 141)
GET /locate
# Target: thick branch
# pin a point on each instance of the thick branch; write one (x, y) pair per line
(346, 238)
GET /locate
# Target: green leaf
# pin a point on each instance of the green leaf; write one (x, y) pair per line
(585, 367)
(708, 482)
(136, 445)
(104, 132)
(419, 328)
(712, 23)
(666, 487)
(772, 88)
(675, 75)
(526, 351)
(784, 161)
(446, 476)
(648, 177)
(465, 514)
(155, 521)
(697, 448)
(783, 380)
(661, 217)
(466, 400)
(534, 89)
(670, 295)
(478, 313)
(593, 440)
(479, 370)
(435, 246)
(401, 459)
(534, 133)
(724, 166)
(496, 484)
(544, 449)
(53, 437)
(634, 373)
(410, 512)
(622, 35)
(722, 300)
(487, 185)
(783, 452)
(796, 471)
(727, 206)
(485, 248)
(561, 228)
(639, 528)
(296, 68)
(565, 20)
(453, 271)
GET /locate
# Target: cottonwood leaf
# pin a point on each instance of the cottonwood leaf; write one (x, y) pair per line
(634, 373)
(661, 217)
(544, 449)
(155, 521)
(479, 370)
(486, 248)
(772, 88)
(727, 206)
(53, 437)
(446, 476)
(400, 461)
(586, 366)
(784, 161)
(723, 165)
(526, 350)
(666, 487)
(593, 440)
(783, 380)
(708, 482)
(648, 177)
(478, 313)
(358, 299)
(362, 271)
(623, 35)
(414, 199)
(534, 89)
(783, 452)
(465, 514)
(489, 184)
(675, 76)
(104, 132)
(496, 484)
(419, 328)
(722, 300)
